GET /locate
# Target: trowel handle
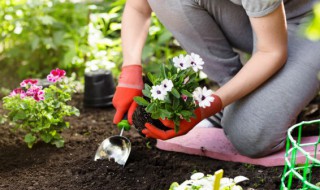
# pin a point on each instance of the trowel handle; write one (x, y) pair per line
(124, 124)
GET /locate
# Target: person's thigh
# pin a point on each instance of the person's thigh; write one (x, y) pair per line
(257, 124)
(194, 25)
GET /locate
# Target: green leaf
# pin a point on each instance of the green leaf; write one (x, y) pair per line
(141, 101)
(175, 103)
(174, 185)
(151, 108)
(165, 114)
(19, 116)
(151, 78)
(146, 93)
(30, 140)
(59, 143)
(163, 71)
(164, 37)
(186, 114)
(184, 92)
(175, 93)
(46, 137)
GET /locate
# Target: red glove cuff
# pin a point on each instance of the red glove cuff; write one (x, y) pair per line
(131, 77)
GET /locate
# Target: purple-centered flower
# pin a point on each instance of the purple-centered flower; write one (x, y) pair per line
(19, 91)
(158, 92)
(196, 61)
(181, 62)
(56, 75)
(26, 82)
(203, 96)
(167, 85)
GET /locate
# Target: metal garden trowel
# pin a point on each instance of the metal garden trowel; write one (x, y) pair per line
(116, 147)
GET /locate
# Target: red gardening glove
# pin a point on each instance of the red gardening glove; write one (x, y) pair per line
(130, 85)
(153, 132)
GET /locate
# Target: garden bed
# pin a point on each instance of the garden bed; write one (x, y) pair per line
(72, 167)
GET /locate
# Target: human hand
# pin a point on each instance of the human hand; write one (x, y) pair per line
(152, 131)
(130, 85)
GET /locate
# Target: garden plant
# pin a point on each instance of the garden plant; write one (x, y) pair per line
(174, 94)
(41, 112)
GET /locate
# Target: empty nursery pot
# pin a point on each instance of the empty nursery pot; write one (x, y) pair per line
(98, 89)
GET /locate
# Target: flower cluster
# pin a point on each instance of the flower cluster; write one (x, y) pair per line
(175, 93)
(40, 111)
(29, 87)
(203, 182)
(56, 75)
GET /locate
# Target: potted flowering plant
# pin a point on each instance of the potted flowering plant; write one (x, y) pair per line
(175, 93)
(40, 112)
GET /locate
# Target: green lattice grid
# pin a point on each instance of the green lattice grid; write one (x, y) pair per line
(301, 172)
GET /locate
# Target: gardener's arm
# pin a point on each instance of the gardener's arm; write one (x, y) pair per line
(269, 57)
(135, 25)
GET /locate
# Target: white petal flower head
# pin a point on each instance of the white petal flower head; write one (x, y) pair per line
(196, 62)
(167, 85)
(181, 62)
(158, 92)
(203, 96)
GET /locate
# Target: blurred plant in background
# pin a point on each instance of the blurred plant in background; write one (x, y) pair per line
(313, 29)
(72, 35)
(39, 35)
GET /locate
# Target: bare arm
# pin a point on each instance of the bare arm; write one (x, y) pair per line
(270, 56)
(135, 25)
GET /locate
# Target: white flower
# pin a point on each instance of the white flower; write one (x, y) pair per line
(203, 96)
(205, 182)
(167, 85)
(158, 92)
(181, 62)
(196, 62)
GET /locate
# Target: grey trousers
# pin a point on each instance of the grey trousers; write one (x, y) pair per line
(257, 124)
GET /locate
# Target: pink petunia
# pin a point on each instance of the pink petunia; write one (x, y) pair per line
(26, 82)
(56, 75)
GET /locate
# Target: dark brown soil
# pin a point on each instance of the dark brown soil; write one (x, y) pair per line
(72, 167)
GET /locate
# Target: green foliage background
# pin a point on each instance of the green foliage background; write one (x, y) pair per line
(37, 36)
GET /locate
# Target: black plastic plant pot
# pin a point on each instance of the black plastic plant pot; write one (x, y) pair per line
(98, 89)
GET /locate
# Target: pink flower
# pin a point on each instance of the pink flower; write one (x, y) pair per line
(56, 75)
(184, 97)
(18, 91)
(26, 82)
(39, 95)
(33, 90)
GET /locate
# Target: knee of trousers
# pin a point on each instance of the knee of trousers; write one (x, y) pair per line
(259, 150)
(254, 140)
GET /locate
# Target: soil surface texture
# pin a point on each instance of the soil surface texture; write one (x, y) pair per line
(73, 168)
